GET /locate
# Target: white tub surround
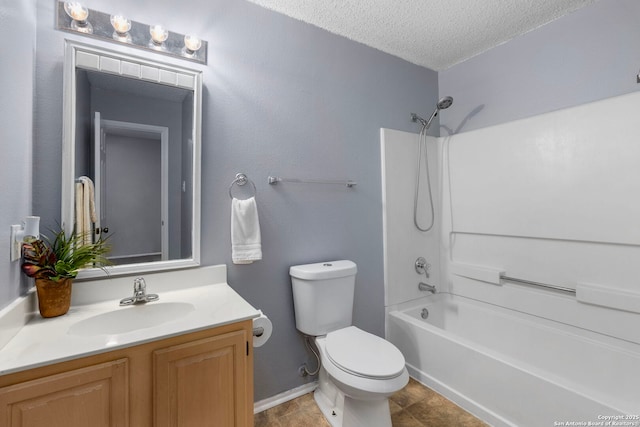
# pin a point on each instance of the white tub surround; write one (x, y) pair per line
(546, 200)
(402, 241)
(513, 369)
(194, 299)
(550, 199)
(597, 308)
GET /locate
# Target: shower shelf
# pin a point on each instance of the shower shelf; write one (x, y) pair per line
(276, 179)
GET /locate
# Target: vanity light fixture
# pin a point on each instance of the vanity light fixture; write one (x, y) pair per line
(158, 35)
(79, 14)
(192, 44)
(121, 26)
(73, 16)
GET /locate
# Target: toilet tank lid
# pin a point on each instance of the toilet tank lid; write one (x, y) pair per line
(324, 270)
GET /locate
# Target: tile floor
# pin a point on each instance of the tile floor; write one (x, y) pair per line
(413, 406)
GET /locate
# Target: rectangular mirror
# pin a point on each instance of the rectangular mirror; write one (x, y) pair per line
(131, 158)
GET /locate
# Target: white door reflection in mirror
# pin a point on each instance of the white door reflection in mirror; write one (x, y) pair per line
(131, 165)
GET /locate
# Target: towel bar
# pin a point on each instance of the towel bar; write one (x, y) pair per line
(276, 179)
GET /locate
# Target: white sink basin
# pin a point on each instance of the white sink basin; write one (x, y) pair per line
(132, 318)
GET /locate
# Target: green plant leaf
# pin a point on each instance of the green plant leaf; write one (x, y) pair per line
(62, 256)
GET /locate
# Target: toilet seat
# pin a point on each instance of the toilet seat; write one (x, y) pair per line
(356, 385)
(362, 354)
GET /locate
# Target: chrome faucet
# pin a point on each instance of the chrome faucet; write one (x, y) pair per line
(427, 287)
(139, 293)
(422, 267)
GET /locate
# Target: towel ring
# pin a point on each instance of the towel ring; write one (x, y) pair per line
(241, 179)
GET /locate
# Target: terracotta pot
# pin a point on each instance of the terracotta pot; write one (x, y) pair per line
(54, 298)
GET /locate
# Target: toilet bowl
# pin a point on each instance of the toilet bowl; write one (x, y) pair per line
(358, 370)
(353, 390)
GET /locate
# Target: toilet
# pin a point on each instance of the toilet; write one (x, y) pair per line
(359, 370)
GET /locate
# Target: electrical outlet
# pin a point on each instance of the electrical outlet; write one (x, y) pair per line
(14, 250)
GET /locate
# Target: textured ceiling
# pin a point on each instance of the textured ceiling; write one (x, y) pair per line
(433, 33)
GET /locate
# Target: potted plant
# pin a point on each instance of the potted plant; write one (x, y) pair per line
(55, 263)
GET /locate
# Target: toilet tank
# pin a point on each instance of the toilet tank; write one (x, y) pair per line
(323, 296)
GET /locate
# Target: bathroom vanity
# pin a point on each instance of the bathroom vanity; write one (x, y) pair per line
(191, 364)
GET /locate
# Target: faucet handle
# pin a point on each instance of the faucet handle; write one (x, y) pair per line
(139, 285)
(422, 266)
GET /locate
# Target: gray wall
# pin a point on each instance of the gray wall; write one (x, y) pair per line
(282, 98)
(186, 200)
(83, 152)
(17, 23)
(585, 56)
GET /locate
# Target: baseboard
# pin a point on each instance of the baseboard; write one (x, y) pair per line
(283, 397)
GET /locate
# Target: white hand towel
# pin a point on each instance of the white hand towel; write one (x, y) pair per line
(89, 189)
(79, 205)
(86, 212)
(246, 246)
(85, 209)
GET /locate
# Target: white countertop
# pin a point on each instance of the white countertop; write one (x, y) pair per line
(45, 341)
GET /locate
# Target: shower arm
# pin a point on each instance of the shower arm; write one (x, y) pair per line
(426, 124)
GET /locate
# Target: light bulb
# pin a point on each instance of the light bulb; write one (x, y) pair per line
(120, 24)
(192, 43)
(158, 34)
(76, 11)
(78, 14)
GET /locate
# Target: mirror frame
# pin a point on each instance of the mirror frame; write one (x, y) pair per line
(109, 61)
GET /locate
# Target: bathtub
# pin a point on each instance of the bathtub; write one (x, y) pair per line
(513, 369)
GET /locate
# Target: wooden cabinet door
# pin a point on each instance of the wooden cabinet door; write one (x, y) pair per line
(203, 383)
(96, 396)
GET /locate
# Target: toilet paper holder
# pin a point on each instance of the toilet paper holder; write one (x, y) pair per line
(262, 329)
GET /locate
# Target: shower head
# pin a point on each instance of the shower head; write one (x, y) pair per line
(443, 103)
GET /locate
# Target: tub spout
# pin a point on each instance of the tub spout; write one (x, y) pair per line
(426, 287)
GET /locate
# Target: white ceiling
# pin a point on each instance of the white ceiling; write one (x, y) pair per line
(433, 33)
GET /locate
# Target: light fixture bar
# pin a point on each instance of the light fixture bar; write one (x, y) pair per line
(138, 36)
